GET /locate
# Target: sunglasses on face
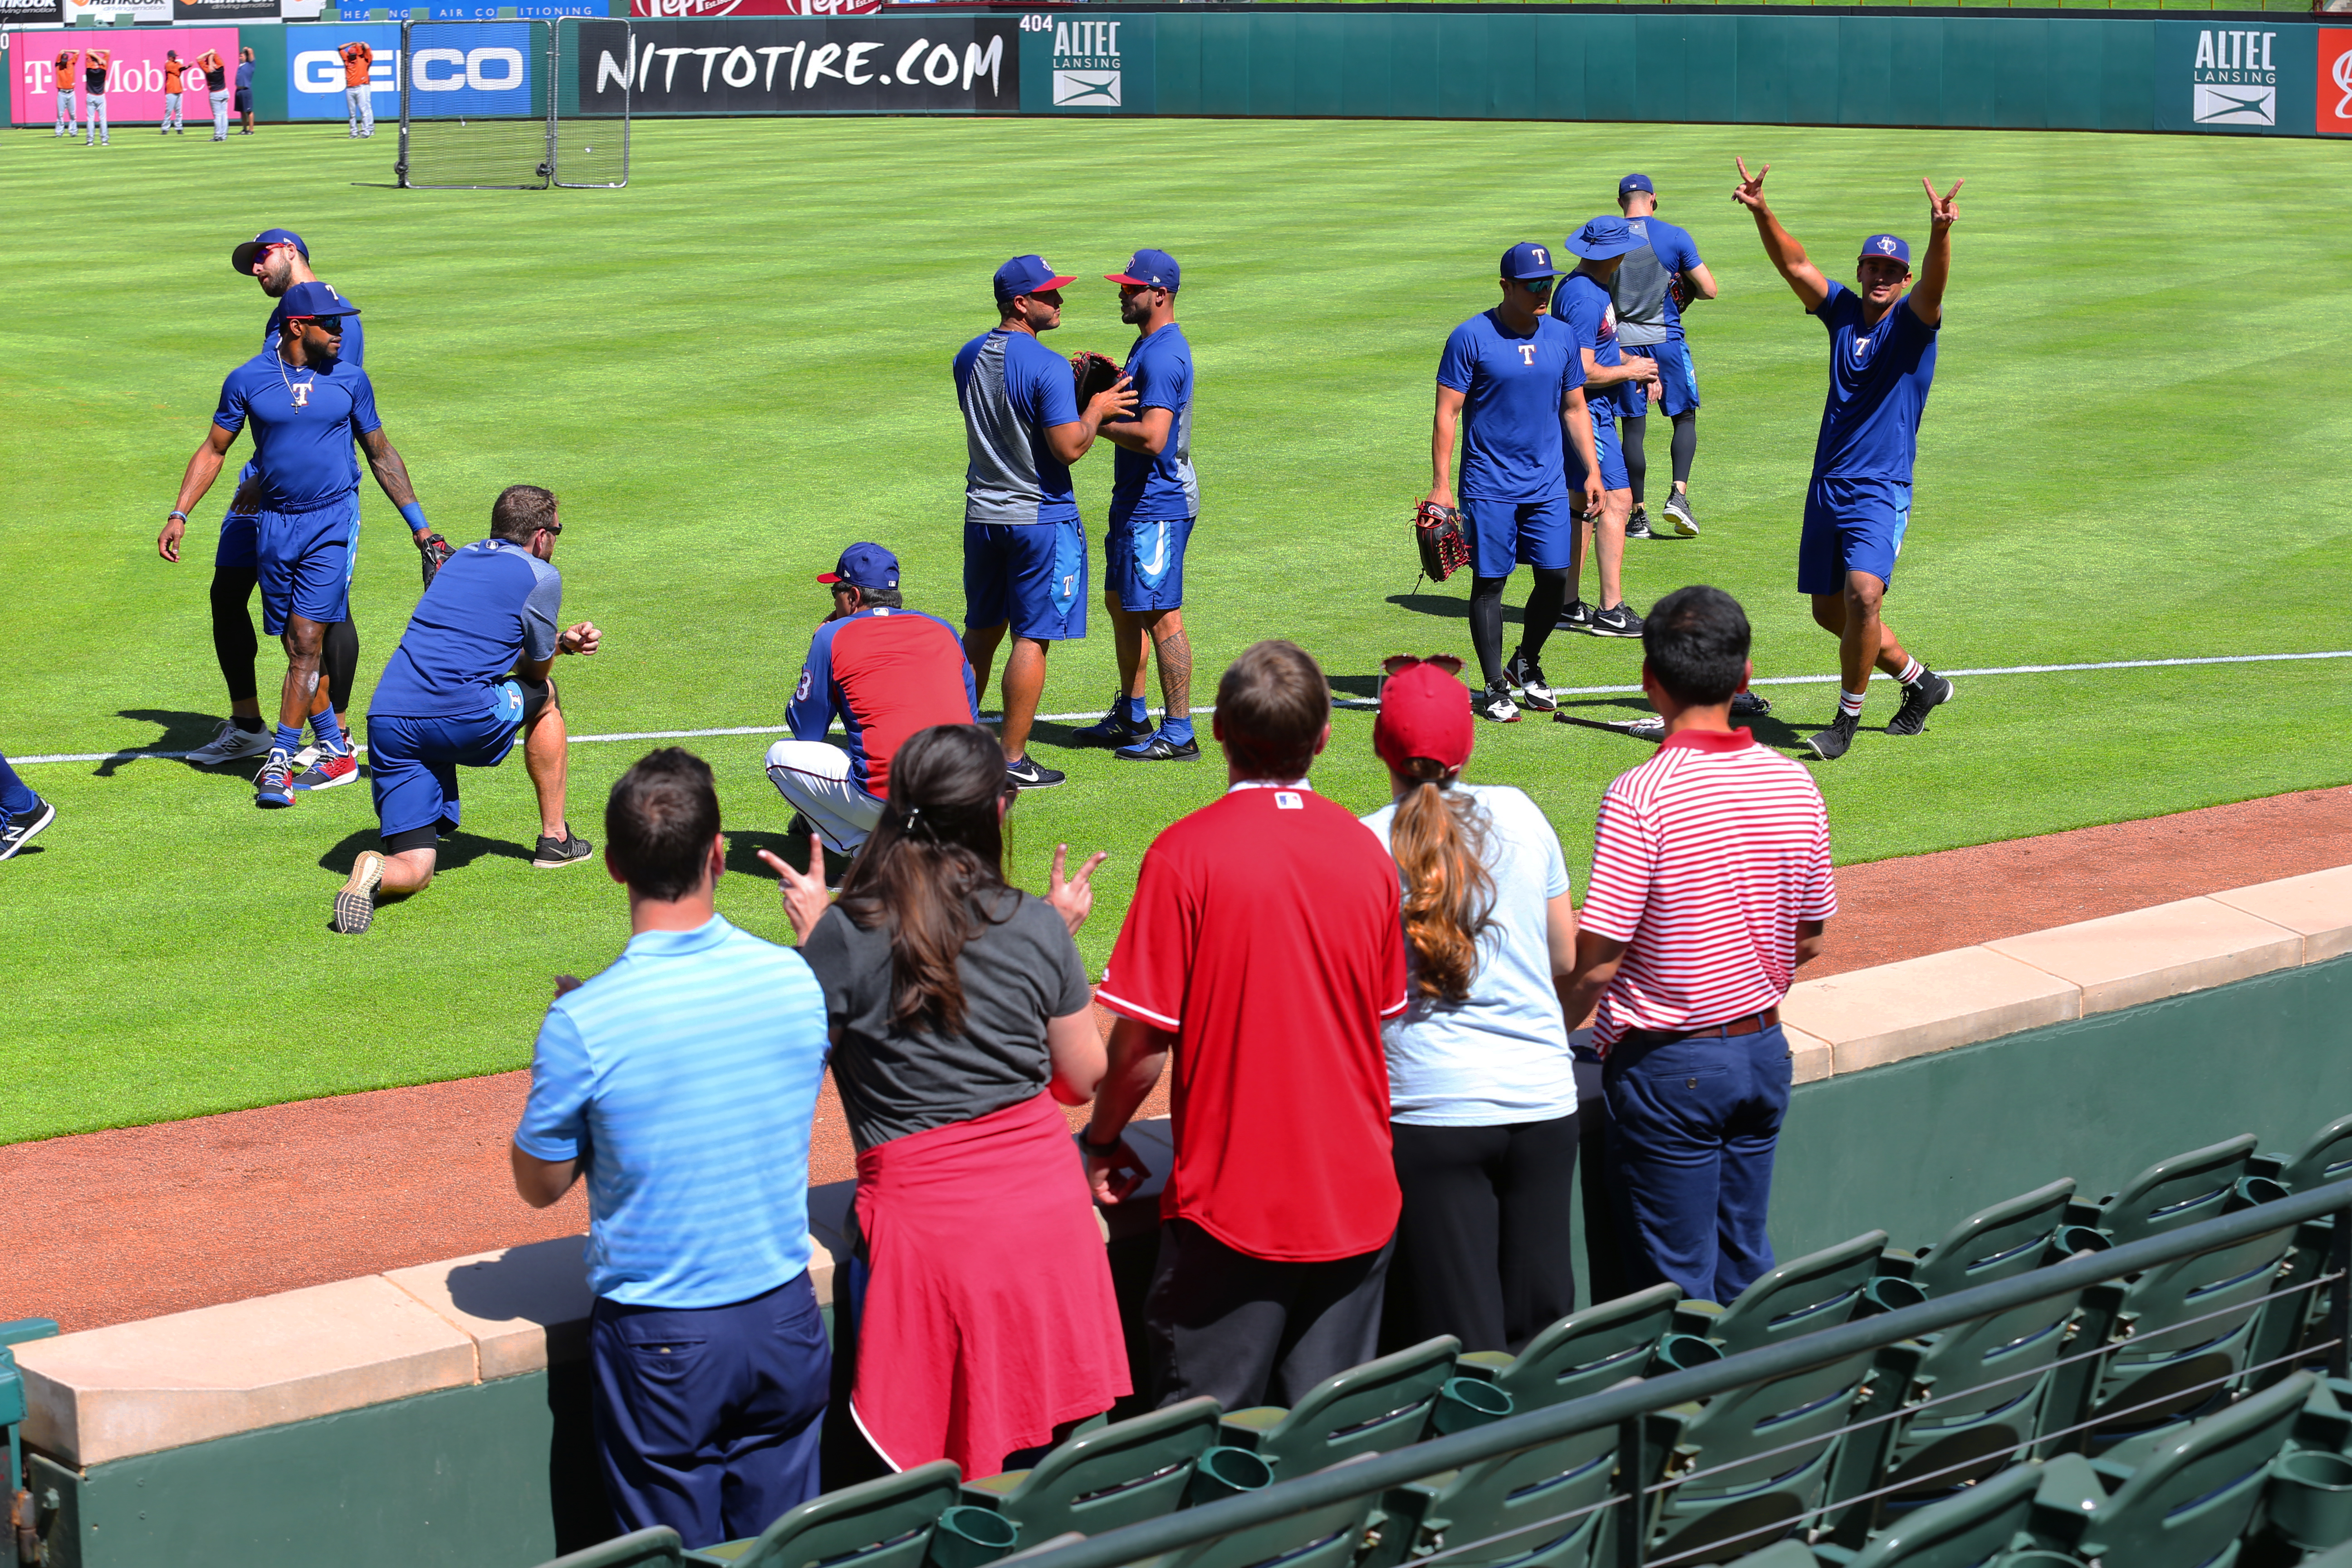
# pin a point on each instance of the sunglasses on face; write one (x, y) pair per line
(551, 527)
(332, 325)
(1535, 285)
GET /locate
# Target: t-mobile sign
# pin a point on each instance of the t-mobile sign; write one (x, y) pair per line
(134, 79)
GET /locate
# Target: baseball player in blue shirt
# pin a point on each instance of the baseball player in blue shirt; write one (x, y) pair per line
(1882, 362)
(307, 407)
(1612, 384)
(468, 680)
(1516, 375)
(1155, 498)
(1025, 551)
(1653, 285)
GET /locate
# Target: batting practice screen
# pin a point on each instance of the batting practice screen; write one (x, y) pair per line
(476, 112)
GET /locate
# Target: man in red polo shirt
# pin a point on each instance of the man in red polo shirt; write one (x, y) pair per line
(1710, 884)
(1262, 950)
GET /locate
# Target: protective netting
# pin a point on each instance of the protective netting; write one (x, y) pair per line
(476, 105)
(590, 149)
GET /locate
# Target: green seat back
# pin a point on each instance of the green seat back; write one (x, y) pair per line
(1589, 1351)
(2326, 1157)
(1326, 1537)
(1818, 1290)
(2191, 1325)
(2339, 1558)
(1526, 1510)
(1115, 1475)
(1968, 1530)
(2172, 1192)
(1994, 1244)
(885, 1523)
(2193, 1497)
(639, 1549)
(1368, 1409)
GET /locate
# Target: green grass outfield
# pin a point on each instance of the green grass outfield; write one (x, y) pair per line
(2134, 449)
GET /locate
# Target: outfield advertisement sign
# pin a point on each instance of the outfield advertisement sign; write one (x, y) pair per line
(30, 11)
(752, 7)
(185, 11)
(491, 62)
(932, 65)
(2334, 81)
(134, 82)
(1085, 66)
(2249, 78)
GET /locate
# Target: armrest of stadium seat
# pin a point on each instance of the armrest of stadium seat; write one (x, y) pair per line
(1408, 1525)
(1483, 1366)
(1698, 1318)
(2069, 1494)
(990, 1492)
(25, 1329)
(1250, 1428)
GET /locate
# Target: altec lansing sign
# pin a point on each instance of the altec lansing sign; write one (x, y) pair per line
(2236, 78)
(1085, 65)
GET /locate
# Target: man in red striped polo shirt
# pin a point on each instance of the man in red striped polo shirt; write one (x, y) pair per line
(1710, 885)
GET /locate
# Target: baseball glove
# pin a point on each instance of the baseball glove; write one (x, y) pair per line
(435, 551)
(1437, 534)
(1094, 375)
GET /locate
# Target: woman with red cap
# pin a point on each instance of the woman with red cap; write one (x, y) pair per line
(1481, 1085)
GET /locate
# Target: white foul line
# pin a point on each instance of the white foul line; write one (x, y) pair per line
(1359, 702)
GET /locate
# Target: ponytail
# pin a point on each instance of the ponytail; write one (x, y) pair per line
(1439, 840)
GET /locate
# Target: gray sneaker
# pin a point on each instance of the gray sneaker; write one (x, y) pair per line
(231, 745)
(1679, 515)
(1638, 525)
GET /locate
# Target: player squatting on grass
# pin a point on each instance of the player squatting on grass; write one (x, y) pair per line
(1882, 362)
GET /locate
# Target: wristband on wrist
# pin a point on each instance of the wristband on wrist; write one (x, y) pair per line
(414, 515)
(176, 512)
(1100, 1150)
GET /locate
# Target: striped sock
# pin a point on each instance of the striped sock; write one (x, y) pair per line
(1850, 704)
(1912, 672)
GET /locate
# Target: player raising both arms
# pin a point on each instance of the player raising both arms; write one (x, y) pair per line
(1517, 375)
(1882, 362)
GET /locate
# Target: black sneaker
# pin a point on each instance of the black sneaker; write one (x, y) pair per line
(1679, 515)
(1496, 703)
(1638, 525)
(1928, 691)
(17, 831)
(1158, 748)
(1619, 621)
(1027, 775)
(1576, 617)
(568, 850)
(1529, 676)
(1747, 705)
(1829, 744)
(1115, 729)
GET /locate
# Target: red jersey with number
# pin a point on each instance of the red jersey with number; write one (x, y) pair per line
(1265, 934)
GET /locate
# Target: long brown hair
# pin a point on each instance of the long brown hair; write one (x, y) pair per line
(1439, 839)
(933, 869)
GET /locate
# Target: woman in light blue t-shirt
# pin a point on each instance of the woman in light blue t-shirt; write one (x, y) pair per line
(1482, 1089)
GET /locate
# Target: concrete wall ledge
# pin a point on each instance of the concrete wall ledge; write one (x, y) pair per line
(163, 1383)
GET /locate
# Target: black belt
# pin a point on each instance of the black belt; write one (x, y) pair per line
(1751, 1024)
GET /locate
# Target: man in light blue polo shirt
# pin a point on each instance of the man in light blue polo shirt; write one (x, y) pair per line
(685, 1077)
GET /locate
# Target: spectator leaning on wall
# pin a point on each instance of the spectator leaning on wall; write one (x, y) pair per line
(1710, 884)
(1262, 950)
(684, 1077)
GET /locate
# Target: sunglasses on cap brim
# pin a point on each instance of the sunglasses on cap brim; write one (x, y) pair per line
(1398, 663)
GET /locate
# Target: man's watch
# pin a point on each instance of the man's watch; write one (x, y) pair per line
(1100, 1150)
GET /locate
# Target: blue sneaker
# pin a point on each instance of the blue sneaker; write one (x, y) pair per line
(1115, 729)
(1158, 748)
(273, 786)
(17, 831)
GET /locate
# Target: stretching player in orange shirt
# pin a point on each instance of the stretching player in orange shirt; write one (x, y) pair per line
(95, 65)
(67, 62)
(175, 72)
(359, 97)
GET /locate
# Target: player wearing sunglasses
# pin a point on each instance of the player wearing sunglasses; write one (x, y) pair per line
(1516, 376)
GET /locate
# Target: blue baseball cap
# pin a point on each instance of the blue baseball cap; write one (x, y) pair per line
(865, 566)
(1636, 182)
(1528, 260)
(1604, 238)
(316, 299)
(1151, 268)
(241, 259)
(1886, 245)
(1027, 275)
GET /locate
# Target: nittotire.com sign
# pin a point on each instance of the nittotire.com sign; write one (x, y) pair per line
(836, 65)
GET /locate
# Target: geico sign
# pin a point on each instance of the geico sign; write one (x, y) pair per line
(491, 69)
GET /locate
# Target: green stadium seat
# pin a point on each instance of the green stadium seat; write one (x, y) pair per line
(1582, 1353)
(1326, 1537)
(2324, 1157)
(1756, 1459)
(2294, 1322)
(638, 1549)
(1539, 1508)
(2190, 1497)
(1115, 1475)
(886, 1523)
(1982, 1525)
(1985, 1384)
(2181, 1333)
(12, 1385)
(1368, 1409)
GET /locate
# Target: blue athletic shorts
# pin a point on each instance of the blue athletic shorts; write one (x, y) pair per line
(1677, 380)
(413, 764)
(240, 536)
(1503, 535)
(1030, 574)
(1851, 525)
(305, 560)
(1143, 561)
(1614, 476)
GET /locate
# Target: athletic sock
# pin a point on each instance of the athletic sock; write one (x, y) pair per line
(1850, 704)
(1132, 709)
(329, 733)
(1176, 731)
(249, 726)
(288, 739)
(1912, 672)
(17, 796)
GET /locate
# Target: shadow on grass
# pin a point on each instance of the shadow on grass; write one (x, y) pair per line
(1445, 607)
(792, 848)
(458, 850)
(181, 732)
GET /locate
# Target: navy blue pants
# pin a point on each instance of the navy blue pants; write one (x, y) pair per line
(1692, 1126)
(706, 1420)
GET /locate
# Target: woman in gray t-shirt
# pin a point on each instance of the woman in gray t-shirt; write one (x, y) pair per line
(978, 1312)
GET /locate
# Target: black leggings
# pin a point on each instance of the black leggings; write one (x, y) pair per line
(236, 646)
(1545, 602)
(1482, 1247)
(1685, 447)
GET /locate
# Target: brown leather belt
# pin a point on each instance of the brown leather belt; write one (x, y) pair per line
(1753, 1023)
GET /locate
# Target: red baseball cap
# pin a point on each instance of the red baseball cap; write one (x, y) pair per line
(1424, 712)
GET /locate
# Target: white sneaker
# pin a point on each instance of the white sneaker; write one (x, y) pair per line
(231, 745)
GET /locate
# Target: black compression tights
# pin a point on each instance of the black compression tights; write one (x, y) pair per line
(1686, 446)
(235, 646)
(1629, 441)
(1545, 602)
